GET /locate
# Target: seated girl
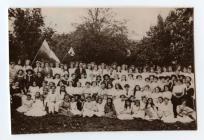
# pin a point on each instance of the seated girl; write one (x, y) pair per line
(73, 107)
(119, 103)
(125, 114)
(150, 110)
(100, 107)
(143, 102)
(38, 108)
(185, 113)
(117, 91)
(89, 107)
(26, 104)
(137, 111)
(109, 109)
(64, 109)
(166, 111)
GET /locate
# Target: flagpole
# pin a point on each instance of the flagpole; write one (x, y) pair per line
(35, 56)
(64, 57)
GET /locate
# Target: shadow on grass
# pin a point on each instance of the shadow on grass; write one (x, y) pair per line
(56, 123)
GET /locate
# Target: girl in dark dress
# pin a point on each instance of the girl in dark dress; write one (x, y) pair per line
(109, 109)
(20, 77)
(16, 94)
(189, 95)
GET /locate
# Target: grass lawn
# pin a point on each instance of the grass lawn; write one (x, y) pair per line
(56, 123)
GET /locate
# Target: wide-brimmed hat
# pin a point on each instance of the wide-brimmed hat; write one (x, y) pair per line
(122, 96)
(29, 70)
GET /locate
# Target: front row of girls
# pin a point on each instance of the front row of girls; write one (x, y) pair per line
(122, 107)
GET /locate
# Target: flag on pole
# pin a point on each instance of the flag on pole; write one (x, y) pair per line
(71, 52)
(46, 53)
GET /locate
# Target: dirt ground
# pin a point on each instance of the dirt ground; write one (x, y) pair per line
(56, 123)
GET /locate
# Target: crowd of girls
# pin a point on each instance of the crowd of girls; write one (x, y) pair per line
(99, 90)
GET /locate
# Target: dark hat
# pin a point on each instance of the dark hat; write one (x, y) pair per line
(106, 75)
(29, 70)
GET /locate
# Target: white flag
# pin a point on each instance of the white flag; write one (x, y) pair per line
(45, 50)
(128, 52)
(71, 52)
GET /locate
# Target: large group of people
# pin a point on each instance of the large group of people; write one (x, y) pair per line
(124, 92)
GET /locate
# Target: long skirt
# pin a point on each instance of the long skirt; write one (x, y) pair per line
(65, 112)
(139, 114)
(88, 113)
(23, 109)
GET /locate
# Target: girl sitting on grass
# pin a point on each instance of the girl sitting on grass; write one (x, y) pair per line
(38, 108)
(137, 111)
(64, 109)
(109, 109)
(150, 110)
(26, 103)
(89, 107)
(125, 114)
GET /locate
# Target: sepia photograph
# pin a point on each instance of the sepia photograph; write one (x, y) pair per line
(101, 69)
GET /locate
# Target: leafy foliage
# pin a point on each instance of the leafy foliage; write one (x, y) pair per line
(101, 38)
(170, 40)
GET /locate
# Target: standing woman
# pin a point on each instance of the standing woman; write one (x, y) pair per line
(27, 65)
(189, 95)
(47, 70)
(178, 94)
(18, 66)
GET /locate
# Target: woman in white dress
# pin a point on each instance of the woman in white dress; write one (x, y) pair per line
(53, 101)
(156, 94)
(73, 108)
(137, 111)
(62, 92)
(38, 108)
(125, 114)
(89, 107)
(78, 90)
(70, 88)
(118, 91)
(26, 103)
(119, 103)
(100, 104)
(167, 93)
(166, 110)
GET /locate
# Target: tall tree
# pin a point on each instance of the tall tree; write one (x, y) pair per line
(26, 32)
(100, 37)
